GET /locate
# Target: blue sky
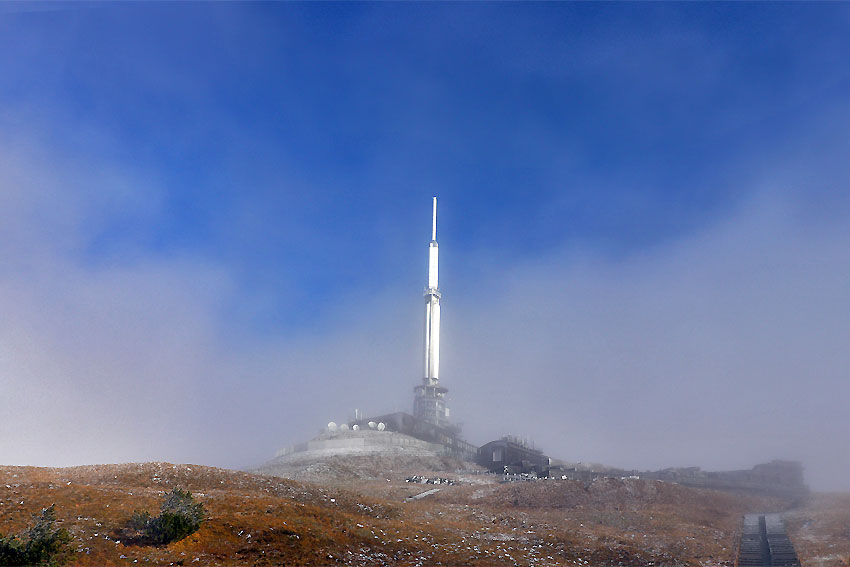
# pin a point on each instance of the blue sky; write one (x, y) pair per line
(235, 198)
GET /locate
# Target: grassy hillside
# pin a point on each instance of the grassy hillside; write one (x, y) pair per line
(359, 516)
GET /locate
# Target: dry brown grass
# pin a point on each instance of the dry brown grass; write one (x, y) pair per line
(363, 520)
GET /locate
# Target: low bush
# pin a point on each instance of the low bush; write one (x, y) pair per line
(180, 515)
(42, 544)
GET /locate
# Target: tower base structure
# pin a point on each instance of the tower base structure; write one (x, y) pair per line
(429, 404)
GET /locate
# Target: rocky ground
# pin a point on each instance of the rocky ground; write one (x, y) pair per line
(361, 512)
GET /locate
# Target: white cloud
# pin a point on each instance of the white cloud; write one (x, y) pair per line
(720, 350)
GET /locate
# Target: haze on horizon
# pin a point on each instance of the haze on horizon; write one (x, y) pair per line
(214, 222)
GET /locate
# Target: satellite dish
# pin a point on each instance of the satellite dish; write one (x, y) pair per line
(355, 427)
(343, 427)
(332, 426)
(372, 425)
(381, 426)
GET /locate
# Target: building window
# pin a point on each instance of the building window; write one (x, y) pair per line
(497, 455)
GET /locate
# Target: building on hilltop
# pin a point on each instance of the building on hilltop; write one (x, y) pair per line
(402, 422)
(512, 455)
(779, 478)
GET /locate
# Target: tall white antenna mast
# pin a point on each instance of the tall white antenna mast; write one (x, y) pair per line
(434, 229)
(433, 252)
(430, 402)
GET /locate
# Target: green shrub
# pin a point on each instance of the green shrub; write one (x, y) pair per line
(140, 520)
(180, 515)
(39, 545)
